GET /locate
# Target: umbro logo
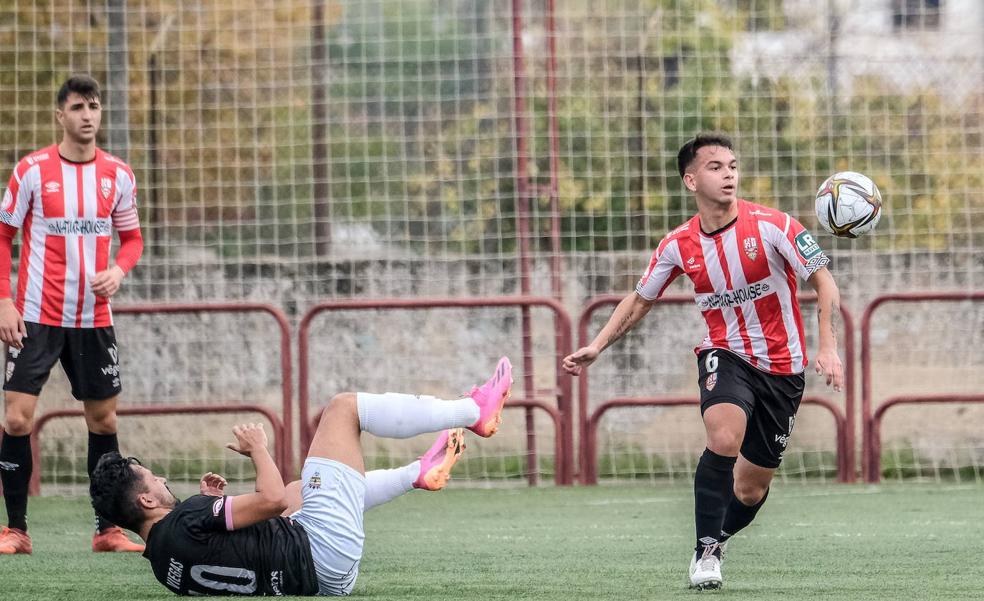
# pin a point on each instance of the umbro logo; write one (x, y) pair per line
(52, 187)
(692, 264)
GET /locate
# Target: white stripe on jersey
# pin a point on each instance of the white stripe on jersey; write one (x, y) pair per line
(760, 348)
(715, 273)
(70, 189)
(35, 261)
(89, 245)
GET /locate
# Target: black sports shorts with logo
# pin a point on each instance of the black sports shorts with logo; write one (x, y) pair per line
(88, 356)
(770, 402)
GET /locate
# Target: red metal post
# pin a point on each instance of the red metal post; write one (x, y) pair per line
(279, 429)
(556, 267)
(876, 419)
(522, 222)
(589, 465)
(562, 325)
(870, 464)
(845, 455)
(286, 365)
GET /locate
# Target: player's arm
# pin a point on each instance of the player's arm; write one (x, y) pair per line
(12, 328)
(269, 498)
(13, 208)
(828, 302)
(107, 282)
(627, 314)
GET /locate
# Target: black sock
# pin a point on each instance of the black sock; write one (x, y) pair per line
(100, 444)
(16, 466)
(713, 484)
(739, 515)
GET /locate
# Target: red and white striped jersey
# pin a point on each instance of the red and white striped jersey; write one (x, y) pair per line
(67, 211)
(744, 283)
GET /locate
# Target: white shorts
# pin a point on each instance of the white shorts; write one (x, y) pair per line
(331, 513)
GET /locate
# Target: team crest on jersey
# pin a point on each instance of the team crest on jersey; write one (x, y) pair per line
(106, 186)
(751, 248)
(315, 481)
(711, 382)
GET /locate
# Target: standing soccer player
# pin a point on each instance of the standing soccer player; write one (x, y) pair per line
(67, 197)
(743, 259)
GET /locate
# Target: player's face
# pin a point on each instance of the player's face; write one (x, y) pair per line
(80, 118)
(157, 486)
(713, 175)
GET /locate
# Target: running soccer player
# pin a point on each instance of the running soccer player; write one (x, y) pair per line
(743, 260)
(67, 198)
(305, 538)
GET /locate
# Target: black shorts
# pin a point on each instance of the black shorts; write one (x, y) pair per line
(770, 402)
(88, 356)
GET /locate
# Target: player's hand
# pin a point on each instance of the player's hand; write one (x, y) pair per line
(106, 283)
(582, 358)
(829, 364)
(212, 485)
(249, 438)
(12, 328)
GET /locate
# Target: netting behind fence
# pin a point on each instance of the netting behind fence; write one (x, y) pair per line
(297, 150)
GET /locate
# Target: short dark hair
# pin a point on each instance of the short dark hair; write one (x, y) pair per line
(83, 85)
(688, 152)
(114, 487)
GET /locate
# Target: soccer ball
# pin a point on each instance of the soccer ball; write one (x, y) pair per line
(848, 204)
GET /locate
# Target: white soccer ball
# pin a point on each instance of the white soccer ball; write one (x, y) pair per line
(848, 204)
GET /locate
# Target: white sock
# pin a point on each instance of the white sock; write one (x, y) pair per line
(396, 415)
(382, 486)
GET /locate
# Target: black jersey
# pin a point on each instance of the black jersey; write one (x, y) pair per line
(194, 551)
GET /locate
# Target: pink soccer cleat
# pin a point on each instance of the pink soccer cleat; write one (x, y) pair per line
(490, 398)
(436, 463)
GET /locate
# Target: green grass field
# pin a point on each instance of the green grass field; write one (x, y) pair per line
(910, 541)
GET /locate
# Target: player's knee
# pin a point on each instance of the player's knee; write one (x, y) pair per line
(750, 493)
(104, 424)
(18, 421)
(342, 403)
(724, 442)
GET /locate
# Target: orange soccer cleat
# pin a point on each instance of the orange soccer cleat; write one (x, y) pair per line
(436, 463)
(14, 541)
(112, 540)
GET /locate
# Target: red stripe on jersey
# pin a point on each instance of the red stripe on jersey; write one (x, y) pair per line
(742, 328)
(53, 206)
(53, 291)
(774, 331)
(690, 248)
(102, 315)
(755, 267)
(692, 254)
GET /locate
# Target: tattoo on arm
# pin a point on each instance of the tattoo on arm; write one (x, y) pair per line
(833, 328)
(623, 326)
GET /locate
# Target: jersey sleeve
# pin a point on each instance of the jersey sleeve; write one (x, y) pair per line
(18, 195)
(125, 212)
(664, 267)
(209, 514)
(800, 249)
